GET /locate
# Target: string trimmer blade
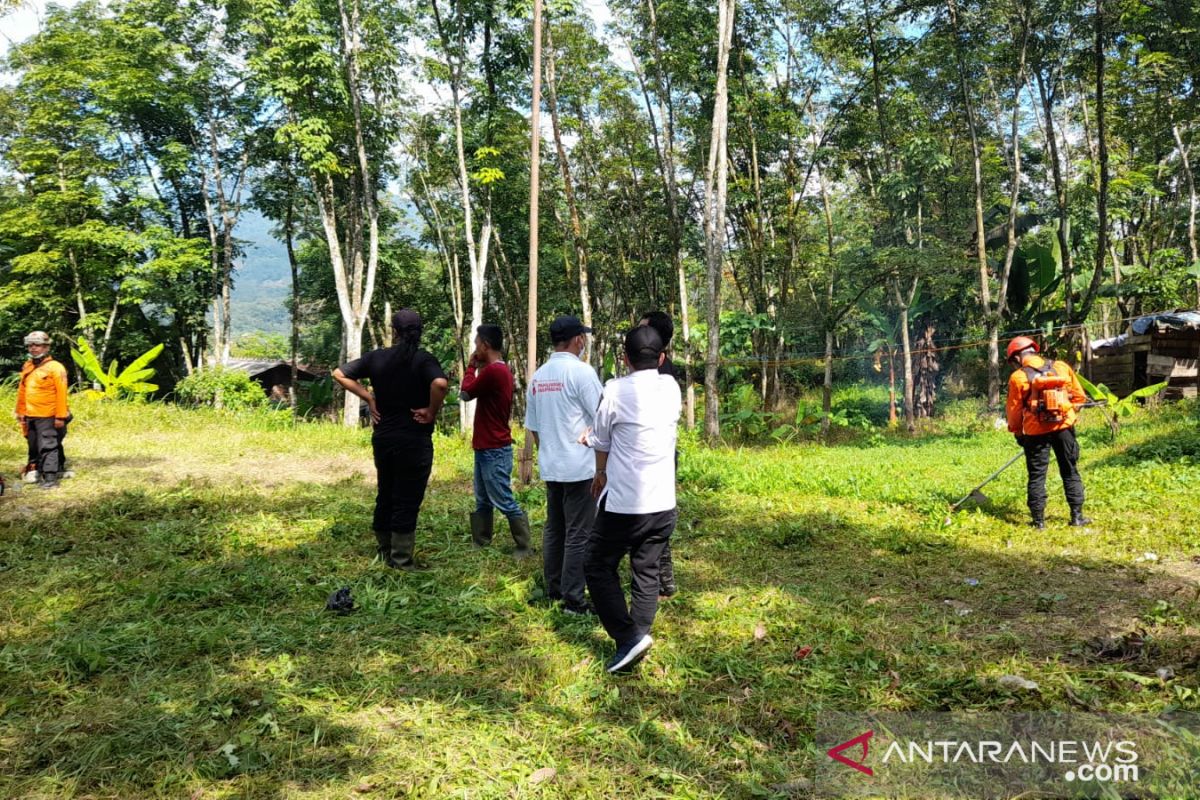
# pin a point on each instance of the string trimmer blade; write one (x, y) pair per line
(979, 498)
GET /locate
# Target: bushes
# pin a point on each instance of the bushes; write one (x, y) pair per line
(220, 388)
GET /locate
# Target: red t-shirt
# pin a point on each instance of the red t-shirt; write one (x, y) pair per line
(492, 386)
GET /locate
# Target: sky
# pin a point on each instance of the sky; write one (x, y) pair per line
(20, 24)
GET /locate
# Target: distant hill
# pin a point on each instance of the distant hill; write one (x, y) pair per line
(263, 279)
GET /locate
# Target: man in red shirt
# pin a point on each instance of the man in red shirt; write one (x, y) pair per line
(489, 381)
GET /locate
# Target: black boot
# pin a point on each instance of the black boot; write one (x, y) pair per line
(401, 551)
(1038, 520)
(666, 573)
(48, 480)
(481, 528)
(519, 525)
(383, 543)
(1078, 520)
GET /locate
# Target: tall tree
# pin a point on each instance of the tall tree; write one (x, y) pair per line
(716, 186)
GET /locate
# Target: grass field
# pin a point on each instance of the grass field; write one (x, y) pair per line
(162, 631)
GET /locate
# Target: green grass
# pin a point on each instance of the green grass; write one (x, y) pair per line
(162, 631)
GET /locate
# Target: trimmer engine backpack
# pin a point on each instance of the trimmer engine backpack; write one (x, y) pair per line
(1048, 397)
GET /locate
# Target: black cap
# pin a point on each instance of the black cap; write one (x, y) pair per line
(643, 345)
(406, 318)
(565, 328)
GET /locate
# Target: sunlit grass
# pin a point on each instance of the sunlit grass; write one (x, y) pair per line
(162, 631)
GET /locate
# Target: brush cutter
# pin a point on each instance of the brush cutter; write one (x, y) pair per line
(978, 496)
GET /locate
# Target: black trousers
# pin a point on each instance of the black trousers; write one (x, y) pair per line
(570, 516)
(1037, 461)
(45, 446)
(402, 472)
(642, 536)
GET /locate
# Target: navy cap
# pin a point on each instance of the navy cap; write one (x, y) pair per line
(565, 328)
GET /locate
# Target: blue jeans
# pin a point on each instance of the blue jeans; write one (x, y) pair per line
(493, 482)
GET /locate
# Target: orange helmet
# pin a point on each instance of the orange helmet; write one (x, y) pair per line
(1021, 343)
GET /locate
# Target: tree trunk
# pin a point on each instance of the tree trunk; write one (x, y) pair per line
(827, 316)
(827, 386)
(1063, 232)
(1192, 204)
(354, 281)
(714, 215)
(476, 249)
(927, 370)
(990, 314)
(294, 264)
(1010, 248)
(891, 354)
(1102, 166)
(108, 328)
(578, 237)
(666, 111)
(903, 302)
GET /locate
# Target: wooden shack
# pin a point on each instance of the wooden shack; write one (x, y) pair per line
(1173, 357)
(1158, 347)
(269, 374)
(1120, 363)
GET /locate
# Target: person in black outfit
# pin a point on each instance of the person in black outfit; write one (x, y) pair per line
(661, 322)
(408, 387)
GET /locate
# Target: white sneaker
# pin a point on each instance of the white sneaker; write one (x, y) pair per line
(31, 476)
(70, 473)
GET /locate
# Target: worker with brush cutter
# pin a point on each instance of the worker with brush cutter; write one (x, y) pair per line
(1043, 397)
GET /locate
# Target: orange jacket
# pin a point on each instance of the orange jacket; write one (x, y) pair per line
(1022, 421)
(43, 390)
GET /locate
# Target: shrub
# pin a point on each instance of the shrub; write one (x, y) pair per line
(220, 388)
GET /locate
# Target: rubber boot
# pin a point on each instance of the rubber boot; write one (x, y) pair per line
(666, 573)
(1038, 521)
(519, 526)
(401, 552)
(48, 480)
(383, 544)
(1078, 520)
(481, 528)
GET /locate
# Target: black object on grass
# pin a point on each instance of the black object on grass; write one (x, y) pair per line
(340, 602)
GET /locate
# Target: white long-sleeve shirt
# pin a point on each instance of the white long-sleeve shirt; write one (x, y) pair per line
(636, 425)
(561, 403)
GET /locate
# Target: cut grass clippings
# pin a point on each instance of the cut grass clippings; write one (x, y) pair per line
(163, 631)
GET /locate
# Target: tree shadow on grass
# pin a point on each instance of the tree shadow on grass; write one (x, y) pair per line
(187, 618)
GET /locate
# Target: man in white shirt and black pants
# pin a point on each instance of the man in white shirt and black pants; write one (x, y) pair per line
(634, 442)
(560, 405)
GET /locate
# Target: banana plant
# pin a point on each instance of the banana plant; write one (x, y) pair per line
(114, 384)
(1115, 408)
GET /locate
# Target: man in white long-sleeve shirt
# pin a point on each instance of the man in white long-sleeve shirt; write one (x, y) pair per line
(634, 443)
(561, 403)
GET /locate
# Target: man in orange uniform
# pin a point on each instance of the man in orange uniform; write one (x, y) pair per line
(42, 407)
(1042, 400)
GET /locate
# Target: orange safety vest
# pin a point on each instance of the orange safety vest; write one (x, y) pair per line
(1026, 406)
(42, 391)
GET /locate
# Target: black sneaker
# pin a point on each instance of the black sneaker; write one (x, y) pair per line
(1078, 520)
(629, 654)
(545, 600)
(581, 610)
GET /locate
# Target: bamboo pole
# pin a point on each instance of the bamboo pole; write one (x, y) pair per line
(535, 137)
